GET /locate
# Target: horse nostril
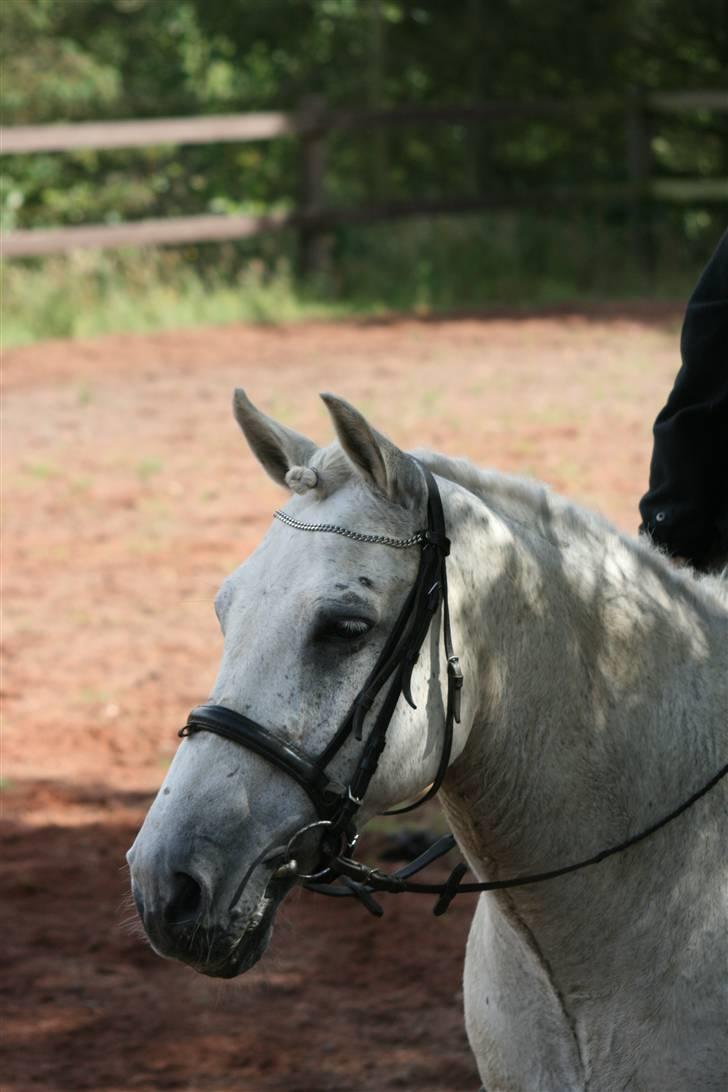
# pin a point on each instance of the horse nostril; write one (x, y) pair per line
(185, 900)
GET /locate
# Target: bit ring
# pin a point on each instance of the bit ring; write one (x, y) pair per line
(292, 843)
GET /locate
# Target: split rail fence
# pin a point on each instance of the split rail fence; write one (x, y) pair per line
(310, 126)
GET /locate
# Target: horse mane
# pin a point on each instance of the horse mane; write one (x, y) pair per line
(534, 505)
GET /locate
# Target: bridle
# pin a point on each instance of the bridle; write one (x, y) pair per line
(337, 804)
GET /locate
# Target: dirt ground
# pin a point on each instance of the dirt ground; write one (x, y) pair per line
(129, 494)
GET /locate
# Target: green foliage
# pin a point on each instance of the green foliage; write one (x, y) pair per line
(98, 59)
(70, 60)
(89, 293)
(514, 260)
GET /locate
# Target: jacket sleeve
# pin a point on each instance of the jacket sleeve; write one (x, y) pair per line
(686, 507)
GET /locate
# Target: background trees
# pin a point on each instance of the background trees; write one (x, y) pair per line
(98, 59)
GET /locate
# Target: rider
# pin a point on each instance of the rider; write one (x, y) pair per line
(685, 510)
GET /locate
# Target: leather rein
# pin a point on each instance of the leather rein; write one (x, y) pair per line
(337, 804)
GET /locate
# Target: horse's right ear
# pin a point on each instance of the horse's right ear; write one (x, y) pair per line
(276, 447)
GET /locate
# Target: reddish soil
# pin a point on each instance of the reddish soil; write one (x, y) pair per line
(129, 494)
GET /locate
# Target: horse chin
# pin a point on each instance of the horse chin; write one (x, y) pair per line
(244, 954)
(254, 939)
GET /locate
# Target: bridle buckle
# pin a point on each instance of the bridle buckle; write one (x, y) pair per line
(438, 539)
(454, 686)
(354, 799)
(454, 672)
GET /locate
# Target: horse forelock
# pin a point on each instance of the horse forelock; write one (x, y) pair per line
(335, 474)
(333, 469)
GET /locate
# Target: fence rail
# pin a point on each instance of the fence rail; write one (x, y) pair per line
(310, 125)
(139, 134)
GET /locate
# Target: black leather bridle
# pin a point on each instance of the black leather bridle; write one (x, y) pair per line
(337, 804)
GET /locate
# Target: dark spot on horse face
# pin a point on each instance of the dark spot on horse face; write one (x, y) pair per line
(166, 792)
(365, 582)
(341, 587)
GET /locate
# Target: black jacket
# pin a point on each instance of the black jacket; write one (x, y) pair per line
(686, 507)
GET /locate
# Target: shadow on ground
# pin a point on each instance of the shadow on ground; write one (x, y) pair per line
(342, 1001)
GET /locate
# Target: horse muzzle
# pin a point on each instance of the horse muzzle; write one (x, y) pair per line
(186, 920)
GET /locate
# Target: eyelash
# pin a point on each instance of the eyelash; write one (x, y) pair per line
(347, 629)
(352, 627)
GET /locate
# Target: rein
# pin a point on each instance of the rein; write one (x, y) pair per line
(372, 879)
(336, 804)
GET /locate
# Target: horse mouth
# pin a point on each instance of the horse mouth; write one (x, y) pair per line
(250, 944)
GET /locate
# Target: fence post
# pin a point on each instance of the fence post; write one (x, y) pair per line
(637, 139)
(312, 129)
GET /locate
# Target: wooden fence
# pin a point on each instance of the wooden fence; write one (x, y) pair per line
(310, 126)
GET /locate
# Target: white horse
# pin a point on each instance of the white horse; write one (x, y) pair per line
(595, 702)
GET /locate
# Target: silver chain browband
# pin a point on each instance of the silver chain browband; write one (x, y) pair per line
(357, 536)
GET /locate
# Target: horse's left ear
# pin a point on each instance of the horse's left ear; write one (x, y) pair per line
(380, 462)
(278, 449)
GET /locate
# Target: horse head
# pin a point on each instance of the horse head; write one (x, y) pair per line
(305, 620)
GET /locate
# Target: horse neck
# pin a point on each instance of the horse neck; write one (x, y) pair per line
(597, 671)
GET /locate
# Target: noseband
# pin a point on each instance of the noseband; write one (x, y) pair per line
(337, 804)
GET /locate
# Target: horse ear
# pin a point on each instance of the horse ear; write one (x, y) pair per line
(382, 465)
(276, 447)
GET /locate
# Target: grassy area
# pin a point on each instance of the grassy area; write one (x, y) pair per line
(471, 262)
(89, 293)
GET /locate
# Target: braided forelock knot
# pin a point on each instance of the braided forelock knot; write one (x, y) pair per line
(300, 479)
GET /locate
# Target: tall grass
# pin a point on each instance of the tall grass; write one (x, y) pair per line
(475, 262)
(87, 293)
